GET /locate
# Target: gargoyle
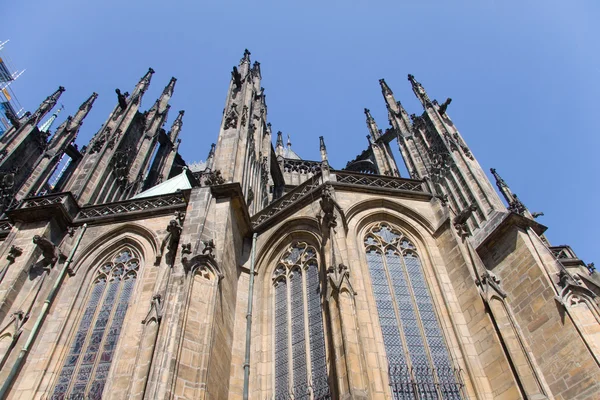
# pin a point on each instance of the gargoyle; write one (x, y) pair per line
(49, 249)
(122, 99)
(460, 221)
(209, 247)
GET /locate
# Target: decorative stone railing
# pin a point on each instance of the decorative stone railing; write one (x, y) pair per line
(380, 181)
(134, 205)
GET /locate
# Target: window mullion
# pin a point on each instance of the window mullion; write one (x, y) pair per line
(304, 270)
(88, 335)
(290, 354)
(113, 310)
(407, 358)
(419, 322)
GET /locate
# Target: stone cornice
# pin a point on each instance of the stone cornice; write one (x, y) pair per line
(502, 224)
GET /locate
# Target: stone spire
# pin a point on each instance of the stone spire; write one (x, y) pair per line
(514, 204)
(46, 106)
(279, 144)
(83, 111)
(143, 84)
(211, 157)
(419, 91)
(45, 127)
(176, 127)
(372, 125)
(44, 165)
(323, 149)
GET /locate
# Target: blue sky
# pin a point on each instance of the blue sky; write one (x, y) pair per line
(523, 76)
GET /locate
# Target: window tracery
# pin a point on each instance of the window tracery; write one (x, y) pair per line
(300, 362)
(419, 362)
(91, 352)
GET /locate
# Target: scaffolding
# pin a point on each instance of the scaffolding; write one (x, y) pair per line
(9, 104)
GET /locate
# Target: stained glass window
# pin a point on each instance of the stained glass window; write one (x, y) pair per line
(418, 359)
(300, 362)
(91, 352)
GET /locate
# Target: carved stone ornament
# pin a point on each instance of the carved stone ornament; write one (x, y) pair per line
(209, 247)
(49, 250)
(186, 248)
(156, 309)
(328, 206)
(244, 115)
(460, 221)
(231, 119)
(573, 291)
(122, 98)
(490, 280)
(444, 106)
(13, 253)
(213, 178)
(337, 279)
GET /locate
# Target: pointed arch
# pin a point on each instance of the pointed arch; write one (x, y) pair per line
(137, 236)
(299, 359)
(92, 347)
(386, 204)
(296, 229)
(419, 360)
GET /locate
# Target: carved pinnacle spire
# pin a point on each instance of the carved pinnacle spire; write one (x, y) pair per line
(211, 157)
(161, 104)
(385, 89)
(419, 90)
(246, 57)
(176, 127)
(514, 204)
(289, 142)
(372, 125)
(168, 90)
(46, 106)
(83, 111)
(279, 144)
(256, 70)
(323, 148)
(143, 84)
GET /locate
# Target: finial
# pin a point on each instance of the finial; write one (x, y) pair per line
(211, 152)
(176, 127)
(372, 125)
(385, 89)
(46, 106)
(514, 204)
(256, 69)
(246, 57)
(86, 105)
(419, 90)
(322, 143)
(289, 142)
(170, 87)
(279, 139)
(210, 158)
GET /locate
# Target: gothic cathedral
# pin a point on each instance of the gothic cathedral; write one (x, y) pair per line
(127, 273)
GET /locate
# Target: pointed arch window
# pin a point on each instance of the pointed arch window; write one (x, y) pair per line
(91, 351)
(299, 353)
(419, 363)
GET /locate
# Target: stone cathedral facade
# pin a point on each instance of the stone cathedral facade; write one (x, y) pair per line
(128, 274)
